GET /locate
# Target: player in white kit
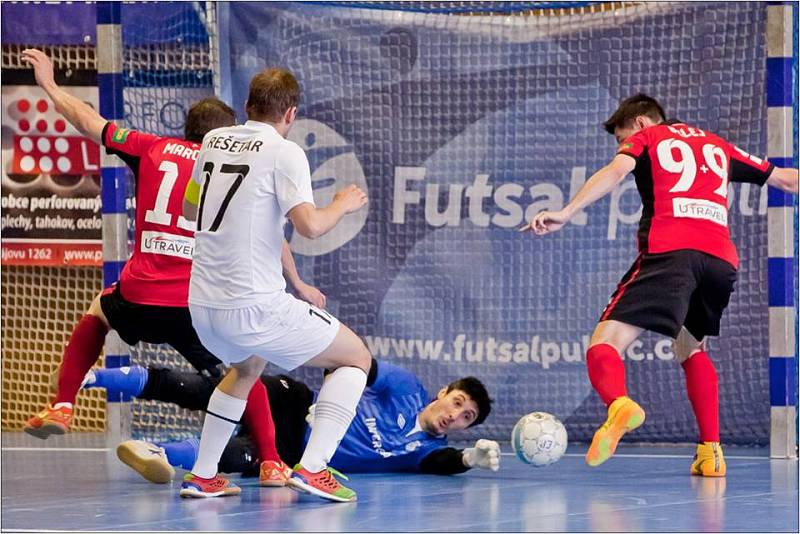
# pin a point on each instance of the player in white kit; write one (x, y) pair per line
(248, 179)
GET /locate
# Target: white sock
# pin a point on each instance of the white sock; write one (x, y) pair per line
(222, 416)
(336, 406)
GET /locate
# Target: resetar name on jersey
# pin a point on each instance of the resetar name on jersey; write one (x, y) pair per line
(227, 143)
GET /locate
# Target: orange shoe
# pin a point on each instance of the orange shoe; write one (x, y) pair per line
(50, 421)
(274, 474)
(708, 460)
(624, 415)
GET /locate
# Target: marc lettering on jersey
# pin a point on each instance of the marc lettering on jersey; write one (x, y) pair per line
(182, 151)
(228, 144)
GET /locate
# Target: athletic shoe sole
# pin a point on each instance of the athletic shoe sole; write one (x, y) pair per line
(195, 493)
(718, 471)
(272, 483)
(152, 468)
(604, 443)
(709, 474)
(298, 485)
(45, 431)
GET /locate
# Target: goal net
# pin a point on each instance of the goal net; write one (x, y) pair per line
(461, 119)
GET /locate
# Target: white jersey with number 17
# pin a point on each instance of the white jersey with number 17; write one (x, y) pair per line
(250, 177)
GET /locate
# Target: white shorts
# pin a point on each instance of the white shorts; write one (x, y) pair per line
(287, 332)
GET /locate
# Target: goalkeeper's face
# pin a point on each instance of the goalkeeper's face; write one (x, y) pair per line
(448, 412)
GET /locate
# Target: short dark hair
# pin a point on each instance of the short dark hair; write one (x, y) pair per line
(272, 92)
(477, 392)
(206, 115)
(632, 107)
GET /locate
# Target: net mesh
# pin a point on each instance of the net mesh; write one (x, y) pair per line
(167, 66)
(40, 307)
(520, 100)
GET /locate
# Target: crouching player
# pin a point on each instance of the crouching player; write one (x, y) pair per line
(682, 280)
(398, 426)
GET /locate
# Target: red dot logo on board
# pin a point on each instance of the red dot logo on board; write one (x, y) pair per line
(43, 143)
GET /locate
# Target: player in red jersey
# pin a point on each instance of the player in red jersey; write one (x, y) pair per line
(150, 301)
(684, 274)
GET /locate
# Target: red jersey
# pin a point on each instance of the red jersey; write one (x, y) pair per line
(157, 272)
(682, 175)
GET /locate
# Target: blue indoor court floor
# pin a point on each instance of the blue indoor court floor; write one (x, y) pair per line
(75, 484)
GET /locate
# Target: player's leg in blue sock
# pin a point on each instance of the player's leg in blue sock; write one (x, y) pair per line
(128, 380)
(181, 453)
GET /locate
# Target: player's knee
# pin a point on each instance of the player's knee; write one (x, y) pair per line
(596, 341)
(363, 359)
(685, 346)
(249, 370)
(96, 309)
(358, 354)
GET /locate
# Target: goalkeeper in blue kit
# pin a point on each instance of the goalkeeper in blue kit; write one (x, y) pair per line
(398, 427)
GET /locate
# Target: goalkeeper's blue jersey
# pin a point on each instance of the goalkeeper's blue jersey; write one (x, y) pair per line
(385, 435)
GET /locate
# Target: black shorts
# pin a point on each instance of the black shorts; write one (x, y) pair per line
(663, 292)
(158, 325)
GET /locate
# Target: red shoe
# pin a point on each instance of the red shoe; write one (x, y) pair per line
(194, 486)
(49, 421)
(274, 474)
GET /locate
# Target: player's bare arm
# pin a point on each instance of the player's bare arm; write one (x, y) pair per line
(784, 179)
(600, 184)
(79, 114)
(304, 291)
(313, 222)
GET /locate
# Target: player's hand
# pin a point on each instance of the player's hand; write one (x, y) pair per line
(485, 454)
(546, 222)
(42, 67)
(311, 294)
(352, 198)
(310, 415)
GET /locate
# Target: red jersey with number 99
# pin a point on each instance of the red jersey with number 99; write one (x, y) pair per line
(682, 175)
(157, 272)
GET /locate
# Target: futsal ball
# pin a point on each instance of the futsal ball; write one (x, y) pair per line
(539, 439)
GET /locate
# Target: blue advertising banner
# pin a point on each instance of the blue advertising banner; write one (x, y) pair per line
(75, 23)
(462, 128)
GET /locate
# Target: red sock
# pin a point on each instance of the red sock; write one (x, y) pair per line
(81, 353)
(701, 383)
(258, 417)
(606, 372)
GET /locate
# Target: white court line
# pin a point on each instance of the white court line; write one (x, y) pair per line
(618, 455)
(36, 530)
(61, 449)
(634, 455)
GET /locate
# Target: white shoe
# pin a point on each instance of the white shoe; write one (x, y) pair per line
(147, 460)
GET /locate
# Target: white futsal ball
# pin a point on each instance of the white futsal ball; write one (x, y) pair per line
(539, 439)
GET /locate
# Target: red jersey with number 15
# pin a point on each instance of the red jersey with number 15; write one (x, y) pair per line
(682, 175)
(157, 272)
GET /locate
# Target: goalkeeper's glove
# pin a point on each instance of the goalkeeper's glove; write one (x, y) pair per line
(485, 454)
